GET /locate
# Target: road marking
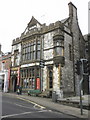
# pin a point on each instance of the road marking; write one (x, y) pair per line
(12, 115)
(22, 106)
(16, 96)
(35, 104)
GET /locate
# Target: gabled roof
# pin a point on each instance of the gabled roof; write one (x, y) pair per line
(33, 22)
(64, 20)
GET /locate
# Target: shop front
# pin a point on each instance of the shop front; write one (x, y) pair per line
(30, 78)
(15, 79)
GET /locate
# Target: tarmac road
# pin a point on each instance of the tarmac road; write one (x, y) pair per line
(15, 107)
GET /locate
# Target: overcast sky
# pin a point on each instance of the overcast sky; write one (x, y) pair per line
(16, 14)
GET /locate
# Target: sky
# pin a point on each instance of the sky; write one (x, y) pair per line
(16, 14)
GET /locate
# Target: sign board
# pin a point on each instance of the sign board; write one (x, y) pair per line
(38, 83)
(9, 77)
(18, 77)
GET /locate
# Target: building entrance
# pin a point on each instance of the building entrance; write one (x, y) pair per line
(14, 83)
(50, 79)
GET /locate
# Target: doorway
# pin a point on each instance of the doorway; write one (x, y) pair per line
(50, 79)
(14, 83)
(2, 82)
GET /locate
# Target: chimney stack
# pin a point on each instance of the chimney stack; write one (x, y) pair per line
(72, 10)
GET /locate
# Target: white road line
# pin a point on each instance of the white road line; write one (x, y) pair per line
(12, 115)
(16, 96)
(22, 106)
(35, 104)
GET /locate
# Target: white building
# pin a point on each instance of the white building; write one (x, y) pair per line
(5, 71)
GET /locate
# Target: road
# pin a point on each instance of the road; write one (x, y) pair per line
(16, 107)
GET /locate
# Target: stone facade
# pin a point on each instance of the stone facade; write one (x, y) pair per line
(15, 64)
(87, 55)
(57, 46)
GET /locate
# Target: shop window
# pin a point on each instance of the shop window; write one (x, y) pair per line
(33, 72)
(33, 83)
(28, 77)
(30, 72)
(30, 83)
(24, 73)
(26, 81)
(21, 74)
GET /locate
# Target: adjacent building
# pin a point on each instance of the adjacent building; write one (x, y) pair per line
(87, 55)
(15, 64)
(44, 56)
(5, 64)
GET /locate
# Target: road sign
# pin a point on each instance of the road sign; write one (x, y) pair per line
(42, 63)
(85, 66)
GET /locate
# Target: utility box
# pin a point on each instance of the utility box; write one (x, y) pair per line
(54, 96)
(59, 94)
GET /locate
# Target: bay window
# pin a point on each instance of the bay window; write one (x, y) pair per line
(58, 47)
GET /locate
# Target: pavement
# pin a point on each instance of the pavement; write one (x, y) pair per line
(56, 106)
(75, 101)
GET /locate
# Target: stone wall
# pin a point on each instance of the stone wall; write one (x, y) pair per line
(56, 78)
(78, 41)
(14, 48)
(62, 75)
(67, 83)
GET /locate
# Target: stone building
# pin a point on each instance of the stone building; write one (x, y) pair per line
(48, 55)
(15, 64)
(87, 56)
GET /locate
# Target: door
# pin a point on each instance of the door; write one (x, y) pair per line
(50, 79)
(14, 83)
